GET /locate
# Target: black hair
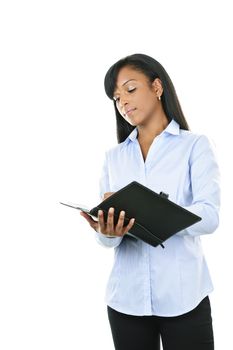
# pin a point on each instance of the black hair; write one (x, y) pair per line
(152, 69)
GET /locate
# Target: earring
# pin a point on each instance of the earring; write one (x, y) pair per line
(159, 98)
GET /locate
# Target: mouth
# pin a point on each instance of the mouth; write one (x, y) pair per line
(130, 111)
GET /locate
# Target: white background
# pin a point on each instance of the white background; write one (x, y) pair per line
(56, 124)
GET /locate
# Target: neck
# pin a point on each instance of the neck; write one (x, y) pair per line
(147, 132)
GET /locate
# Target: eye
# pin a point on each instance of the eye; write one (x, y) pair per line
(131, 90)
(116, 98)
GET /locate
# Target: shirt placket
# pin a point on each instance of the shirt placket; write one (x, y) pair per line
(145, 166)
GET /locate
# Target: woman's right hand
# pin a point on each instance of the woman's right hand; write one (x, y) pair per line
(108, 229)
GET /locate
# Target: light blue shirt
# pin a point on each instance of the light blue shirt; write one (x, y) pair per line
(148, 280)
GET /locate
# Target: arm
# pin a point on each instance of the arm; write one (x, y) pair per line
(204, 176)
(108, 233)
(105, 187)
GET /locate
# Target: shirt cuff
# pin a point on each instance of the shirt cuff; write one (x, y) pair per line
(110, 242)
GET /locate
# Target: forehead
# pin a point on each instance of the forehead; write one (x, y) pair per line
(129, 74)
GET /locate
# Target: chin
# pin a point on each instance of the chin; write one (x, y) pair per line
(133, 122)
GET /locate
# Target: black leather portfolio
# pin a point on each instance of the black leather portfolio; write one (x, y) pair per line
(156, 217)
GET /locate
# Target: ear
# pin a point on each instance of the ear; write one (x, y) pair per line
(157, 87)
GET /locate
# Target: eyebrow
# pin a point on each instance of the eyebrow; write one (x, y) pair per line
(127, 82)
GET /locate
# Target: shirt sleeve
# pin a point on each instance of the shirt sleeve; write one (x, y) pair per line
(104, 185)
(205, 186)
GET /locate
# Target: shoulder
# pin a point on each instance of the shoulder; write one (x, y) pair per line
(202, 149)
(194, 139)
(194, 145)
(115, 150)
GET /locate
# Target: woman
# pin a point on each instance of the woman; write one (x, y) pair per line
(156, 293)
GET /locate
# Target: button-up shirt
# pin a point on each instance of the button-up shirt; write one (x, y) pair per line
(147, 280)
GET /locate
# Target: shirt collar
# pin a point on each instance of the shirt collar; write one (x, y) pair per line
(172, 128)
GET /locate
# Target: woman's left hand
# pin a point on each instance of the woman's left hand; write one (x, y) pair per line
(107, 194)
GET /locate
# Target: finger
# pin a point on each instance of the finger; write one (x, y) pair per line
(130, 225)
(87, 217)
(94, 224)
(120, 222)
(101, 221)
(110, 221)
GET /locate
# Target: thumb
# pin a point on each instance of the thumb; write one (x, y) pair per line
(92, 223)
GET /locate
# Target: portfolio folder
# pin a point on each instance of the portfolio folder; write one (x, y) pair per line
(156, 217)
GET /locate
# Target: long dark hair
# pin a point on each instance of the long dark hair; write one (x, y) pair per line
(152, 69)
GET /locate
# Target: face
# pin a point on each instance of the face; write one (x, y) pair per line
(136, 97)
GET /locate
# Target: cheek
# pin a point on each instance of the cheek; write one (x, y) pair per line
(119, 109)
(148, 103)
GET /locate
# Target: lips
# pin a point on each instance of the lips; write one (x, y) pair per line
(129, 111)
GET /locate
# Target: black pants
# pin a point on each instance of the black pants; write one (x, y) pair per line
(190, 331)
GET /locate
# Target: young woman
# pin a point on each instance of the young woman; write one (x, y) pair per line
(156, 293)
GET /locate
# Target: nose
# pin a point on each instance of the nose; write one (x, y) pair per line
(123, 101)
